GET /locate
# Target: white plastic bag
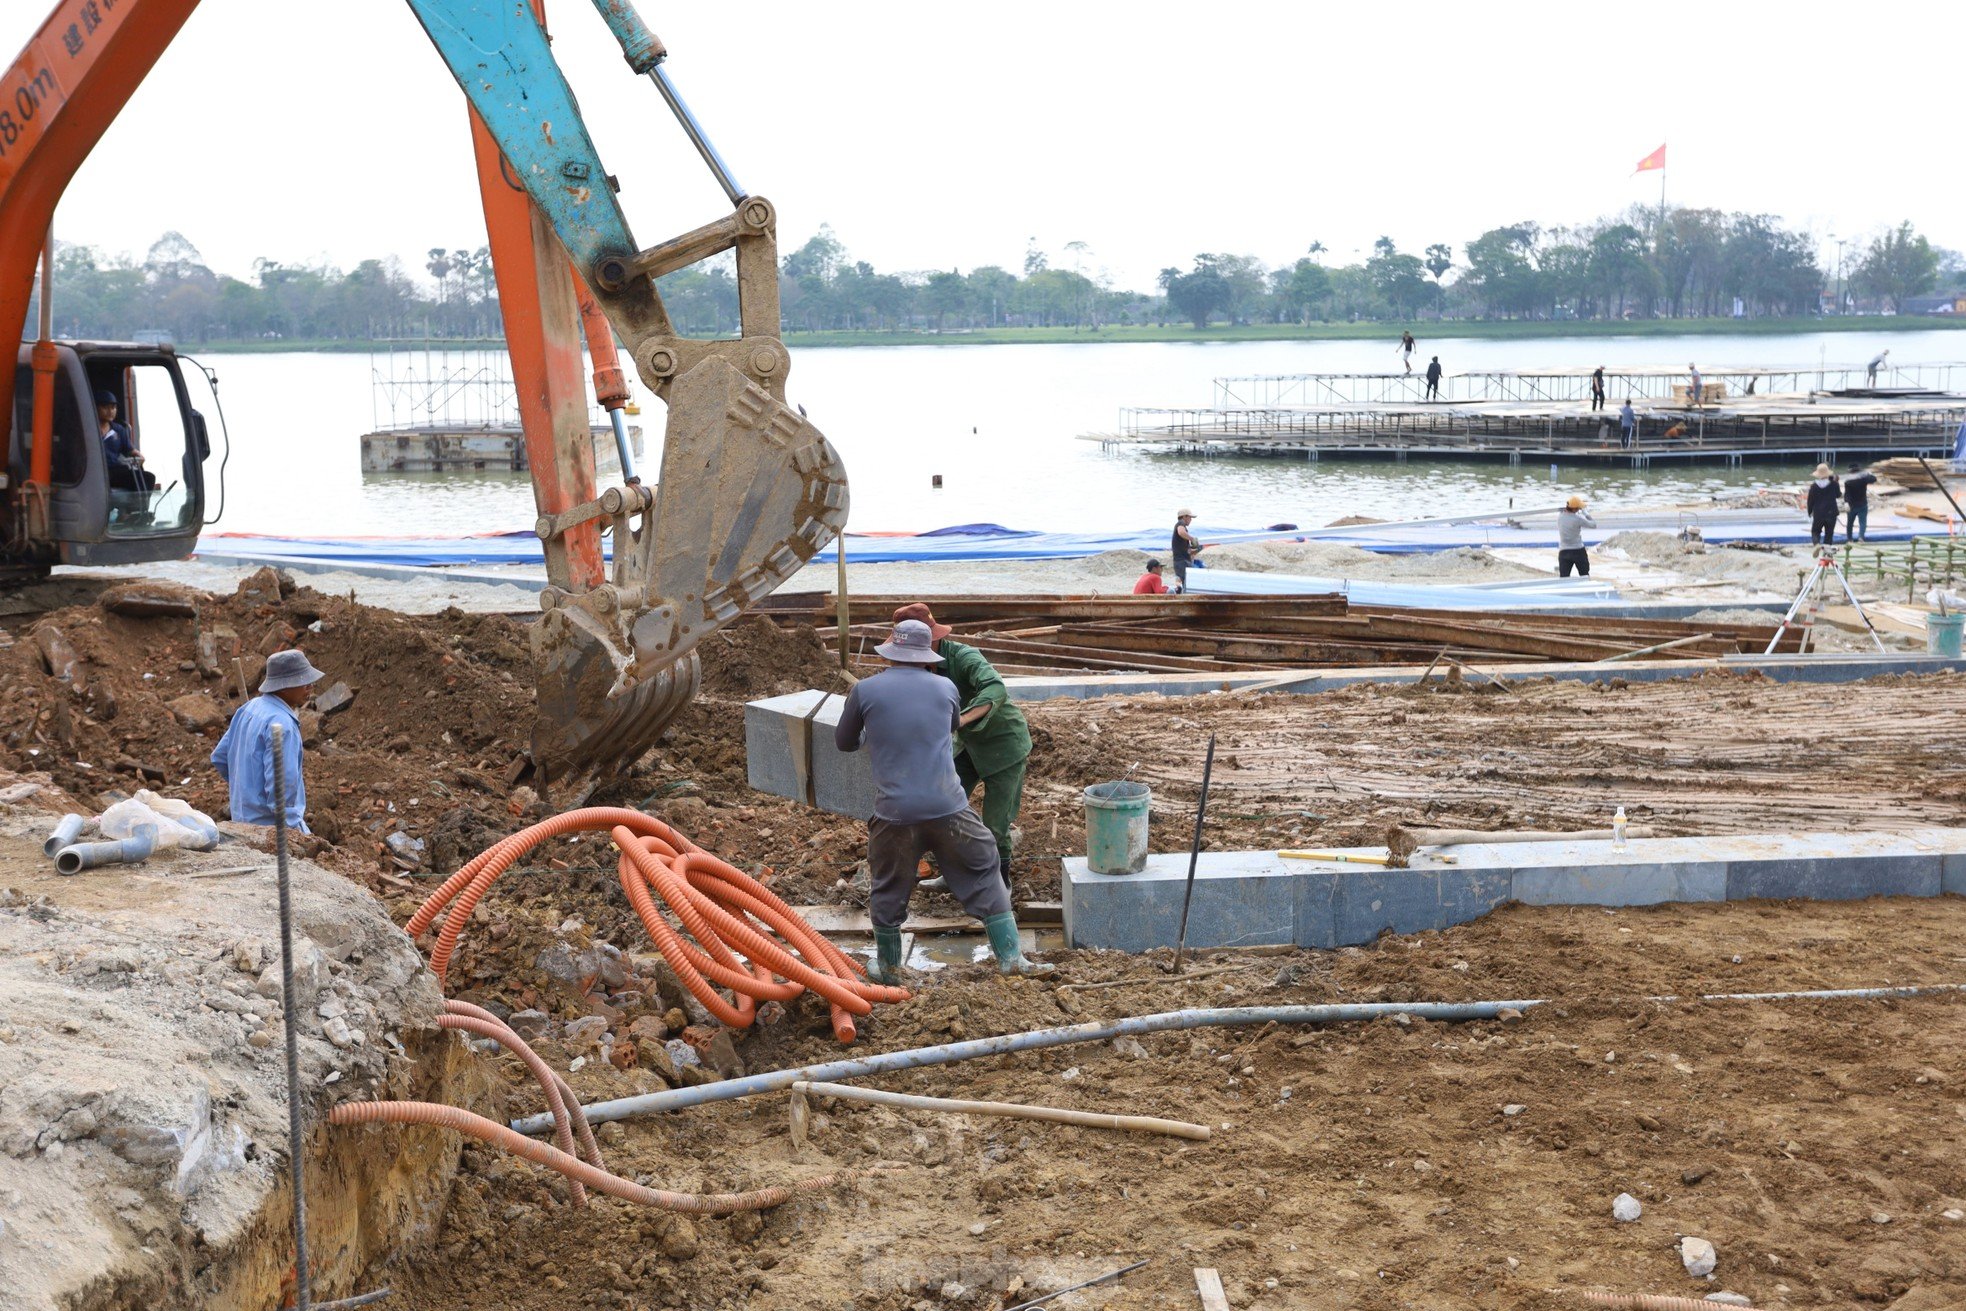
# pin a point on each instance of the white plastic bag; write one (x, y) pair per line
(177, 824)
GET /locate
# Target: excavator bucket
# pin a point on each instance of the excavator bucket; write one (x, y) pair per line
(749, 492)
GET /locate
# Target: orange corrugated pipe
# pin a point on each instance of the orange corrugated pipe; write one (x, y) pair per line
(499, 1033)
(727, 915)
(590, 1151)
(490, 1131)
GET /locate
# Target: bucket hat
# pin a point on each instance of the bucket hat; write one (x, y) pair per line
(286, 669)
(1824, 471)
(918, 611)
(910, 644)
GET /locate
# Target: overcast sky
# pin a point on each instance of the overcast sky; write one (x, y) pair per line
(945, 135)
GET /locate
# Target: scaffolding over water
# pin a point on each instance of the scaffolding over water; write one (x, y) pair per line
(452, 405)
(1742, 413)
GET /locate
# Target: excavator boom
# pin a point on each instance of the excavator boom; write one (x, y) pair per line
(748, 489)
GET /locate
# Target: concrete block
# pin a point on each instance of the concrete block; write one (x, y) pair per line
(1845, 878)
(1952, 878)
(1241, 899)
(781, 746)
(1637, 884)
(1468, 894)
(1370, 901)
(1316, 907)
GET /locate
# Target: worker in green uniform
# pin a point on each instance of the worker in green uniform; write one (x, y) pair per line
(993, 740)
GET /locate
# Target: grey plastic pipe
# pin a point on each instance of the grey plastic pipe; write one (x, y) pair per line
(89, 855)
(676, 1099)
(64, 835)
(208, 835)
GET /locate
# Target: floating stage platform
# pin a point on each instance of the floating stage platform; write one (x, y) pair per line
(446, 449)
(1758, 413)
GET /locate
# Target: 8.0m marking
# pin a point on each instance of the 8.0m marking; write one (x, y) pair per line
(20, 109)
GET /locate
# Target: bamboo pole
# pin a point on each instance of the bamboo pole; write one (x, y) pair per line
(1663, 646)
(1012, 1110)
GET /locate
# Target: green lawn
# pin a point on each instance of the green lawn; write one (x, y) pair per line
(1425, 330)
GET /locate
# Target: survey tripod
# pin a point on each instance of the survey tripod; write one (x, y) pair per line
(1808, 604)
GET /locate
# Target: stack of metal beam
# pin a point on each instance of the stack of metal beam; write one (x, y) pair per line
(1030, 634)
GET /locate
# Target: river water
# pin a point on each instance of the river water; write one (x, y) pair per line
(999, 424)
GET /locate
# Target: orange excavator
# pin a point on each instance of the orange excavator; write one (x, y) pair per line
(106, 454)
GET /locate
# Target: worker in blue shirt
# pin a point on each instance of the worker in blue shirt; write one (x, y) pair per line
(244, 756)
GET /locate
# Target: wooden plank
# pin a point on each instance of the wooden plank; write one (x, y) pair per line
(1208, 1287)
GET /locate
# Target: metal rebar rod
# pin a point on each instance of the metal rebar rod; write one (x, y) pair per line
(1040, 1301)
(302, 1290)
(1194, 854)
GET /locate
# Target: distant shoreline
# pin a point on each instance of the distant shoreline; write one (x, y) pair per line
(1425, 330)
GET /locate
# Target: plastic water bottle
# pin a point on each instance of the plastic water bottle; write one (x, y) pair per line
(1618, 830)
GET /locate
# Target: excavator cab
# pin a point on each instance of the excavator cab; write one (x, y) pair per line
(129, 453)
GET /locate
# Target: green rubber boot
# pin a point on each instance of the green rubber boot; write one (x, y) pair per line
(1010, 957)
(887, 956)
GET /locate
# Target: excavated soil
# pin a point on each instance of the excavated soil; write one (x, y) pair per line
(1388, 1178)
(1365, 1166)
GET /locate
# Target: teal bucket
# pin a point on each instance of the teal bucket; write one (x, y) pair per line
(1942, 634)
(1116, 827)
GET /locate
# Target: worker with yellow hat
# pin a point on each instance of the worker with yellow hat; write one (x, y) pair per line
(1571, 521)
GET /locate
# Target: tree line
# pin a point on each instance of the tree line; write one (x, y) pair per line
(1643, 264)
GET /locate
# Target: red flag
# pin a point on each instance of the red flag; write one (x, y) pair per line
(1657, 159)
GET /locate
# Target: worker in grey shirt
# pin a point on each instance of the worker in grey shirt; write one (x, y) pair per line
(905, 716)
(1570, 553)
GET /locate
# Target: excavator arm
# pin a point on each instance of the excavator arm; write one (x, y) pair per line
(748, 489)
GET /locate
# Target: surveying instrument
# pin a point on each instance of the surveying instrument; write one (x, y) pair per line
(1808, 604)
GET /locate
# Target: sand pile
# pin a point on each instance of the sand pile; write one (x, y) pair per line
(1329, 560)
(1776, 573)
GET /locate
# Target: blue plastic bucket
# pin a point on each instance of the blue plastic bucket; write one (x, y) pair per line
(1942, 634)
(1116, 827)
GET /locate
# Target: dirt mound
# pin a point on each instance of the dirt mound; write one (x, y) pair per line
(1776, 574)
(756, 658)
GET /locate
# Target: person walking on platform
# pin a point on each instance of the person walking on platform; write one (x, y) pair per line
(1433, 379)
(1695, 393)
(1856, 504)
(903, 716)
(1184, 548)
(1597, 388)
(1571, 521)
(1820, 501)
(993, 739)
(1628, 425)
(1406, 345)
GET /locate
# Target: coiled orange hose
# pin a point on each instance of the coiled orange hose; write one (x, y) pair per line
(490, 1131)
(736, 934)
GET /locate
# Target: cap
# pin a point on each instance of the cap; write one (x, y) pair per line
(1184, 514)
(104, 396)
(910, 644)
(1574, 503)
(918, 611)
(288, 669)
(1152, 565)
